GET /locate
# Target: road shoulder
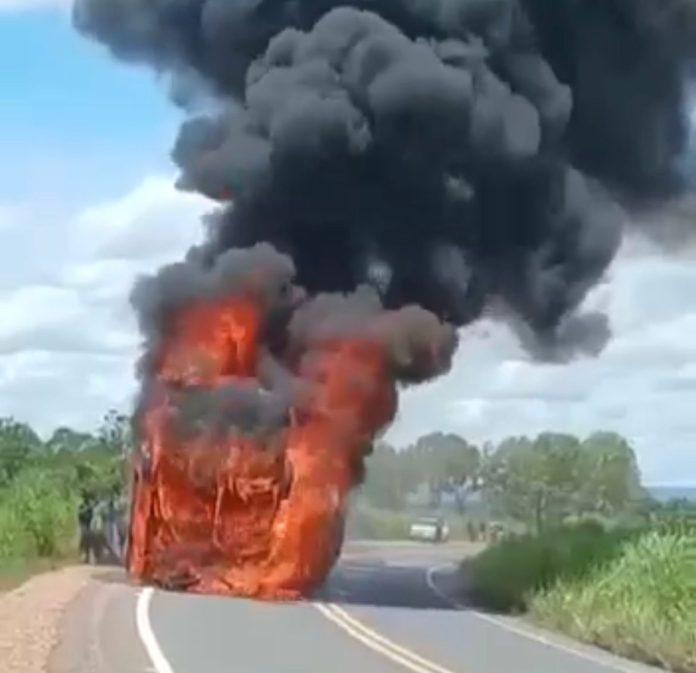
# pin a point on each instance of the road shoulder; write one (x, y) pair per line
(98, 632)
(448, 582)
(31, 616)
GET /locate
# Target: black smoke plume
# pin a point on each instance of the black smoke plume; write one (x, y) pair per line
(454, 154)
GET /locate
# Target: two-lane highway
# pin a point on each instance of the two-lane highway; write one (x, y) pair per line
(386, 608)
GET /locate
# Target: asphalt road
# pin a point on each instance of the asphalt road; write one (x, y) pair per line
(387, 608)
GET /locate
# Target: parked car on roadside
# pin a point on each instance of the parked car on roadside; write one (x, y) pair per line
(429, 529)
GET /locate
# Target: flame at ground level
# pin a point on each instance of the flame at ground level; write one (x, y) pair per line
(252, 514)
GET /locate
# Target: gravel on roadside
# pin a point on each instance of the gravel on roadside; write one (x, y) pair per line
(30, 617)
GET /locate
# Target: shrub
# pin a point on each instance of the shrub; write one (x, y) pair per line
(37, 516)
(641, 605)
(14, 539)
(507, 574)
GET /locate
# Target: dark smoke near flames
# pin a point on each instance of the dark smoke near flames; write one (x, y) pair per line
(410, 164)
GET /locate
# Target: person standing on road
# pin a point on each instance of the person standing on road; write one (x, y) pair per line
(98, 531)
(111, 527)
(85, 516)
(122, 524)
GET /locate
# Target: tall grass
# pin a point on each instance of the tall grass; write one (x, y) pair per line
(506, 575)
(37, 517)
(641, 605)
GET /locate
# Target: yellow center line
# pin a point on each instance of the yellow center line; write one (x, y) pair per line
(377, 642)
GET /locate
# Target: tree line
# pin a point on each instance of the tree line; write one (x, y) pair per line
(42, 482)
(539, 481)
(92, 461)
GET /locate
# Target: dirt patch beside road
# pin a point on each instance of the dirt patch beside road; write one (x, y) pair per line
(30, 617)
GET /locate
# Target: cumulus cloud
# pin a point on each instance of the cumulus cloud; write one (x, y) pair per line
(50, 389)
(642, 385)
(151, 222)
(68, 339)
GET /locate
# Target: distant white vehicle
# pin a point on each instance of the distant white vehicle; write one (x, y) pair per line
(429, 529)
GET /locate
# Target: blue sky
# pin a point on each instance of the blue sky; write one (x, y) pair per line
(71, 116)
(87, 203)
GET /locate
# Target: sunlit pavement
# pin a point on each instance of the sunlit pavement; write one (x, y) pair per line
(386, 607)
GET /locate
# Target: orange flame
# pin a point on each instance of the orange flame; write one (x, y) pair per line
(251, 516)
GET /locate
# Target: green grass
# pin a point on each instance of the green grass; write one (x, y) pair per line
(629, 591)
(37, 519)
(506, 575)
(641, 605)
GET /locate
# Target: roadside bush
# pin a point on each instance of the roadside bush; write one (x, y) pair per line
(641, 605)
(37, 516)
(507, 574)
(15, 542)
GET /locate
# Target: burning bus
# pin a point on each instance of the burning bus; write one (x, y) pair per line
(412, 168)
(258, 408)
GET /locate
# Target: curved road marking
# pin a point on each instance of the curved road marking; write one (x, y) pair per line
(377, 642)
(367, 636)
(389, 643)
(605, 663)
(147, 635)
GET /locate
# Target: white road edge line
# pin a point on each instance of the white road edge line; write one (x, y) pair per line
(147, 635)
(605, 663)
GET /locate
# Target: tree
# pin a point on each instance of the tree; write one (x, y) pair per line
(19, 447)
(116, 433)
(68, 441)
(613, 481)
(555, 476)
(446, 461)
(535, 481)
(96, 462)
(383, 486)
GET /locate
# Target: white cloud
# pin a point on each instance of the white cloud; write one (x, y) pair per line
(68, 338)
(49, 388)
(642, 385)
(150, 222)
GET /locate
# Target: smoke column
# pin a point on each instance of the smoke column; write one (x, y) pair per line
(410, 164)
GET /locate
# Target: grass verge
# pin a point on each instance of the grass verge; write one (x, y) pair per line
(506, 575)
(37, 527)
(641, 605)
(630, 592)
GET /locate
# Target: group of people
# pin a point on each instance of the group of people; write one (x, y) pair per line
(103, 528)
